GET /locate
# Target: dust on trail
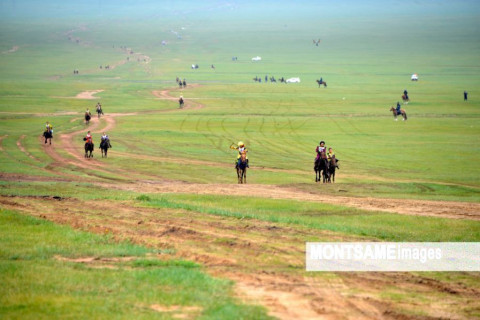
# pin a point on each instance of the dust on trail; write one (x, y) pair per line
(265, 259)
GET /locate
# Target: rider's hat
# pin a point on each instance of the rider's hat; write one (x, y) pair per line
(240, 144)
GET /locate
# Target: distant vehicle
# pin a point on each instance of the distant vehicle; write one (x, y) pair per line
(257, 58)
(293, 80)
(414, 77)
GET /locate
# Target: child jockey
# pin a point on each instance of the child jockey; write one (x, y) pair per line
(241, 148)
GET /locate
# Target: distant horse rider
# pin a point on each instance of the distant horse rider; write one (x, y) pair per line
(331, 155)
(99, 109)
(184, 83)
(181, 102)
(405, 92)
(48, 133)
(321, 80)
(398, 108)
(465, 95)
(241, 149)
(88, 116)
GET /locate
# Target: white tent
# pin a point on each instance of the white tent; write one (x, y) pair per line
(414, 77)
(257, 58)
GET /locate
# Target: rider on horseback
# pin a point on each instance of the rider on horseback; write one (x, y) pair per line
(405, 92)
(398, 108)
(88, 138)
(49, 128)
(241, 149)
(321, 151)
(331, 155)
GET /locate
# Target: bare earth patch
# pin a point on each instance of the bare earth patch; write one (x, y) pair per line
(88, 94)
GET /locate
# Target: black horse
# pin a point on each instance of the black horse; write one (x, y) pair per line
(181, 103)
(320, 82)
(321, 169)
(242, 168)
(48, 135)
(89, 146)
(88, 116)
(104, 146)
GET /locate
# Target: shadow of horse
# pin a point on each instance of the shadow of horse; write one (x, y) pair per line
(320, 83)
(104, 146)
(321, 169)
(395, 113)
(48, 135)
(242, 169)
(89, 148)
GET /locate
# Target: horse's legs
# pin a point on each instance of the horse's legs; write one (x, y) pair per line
(245, 176)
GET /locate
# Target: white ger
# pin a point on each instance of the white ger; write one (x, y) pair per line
(257, 58)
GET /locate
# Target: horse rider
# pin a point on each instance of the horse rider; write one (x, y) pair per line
(104, 139)
(99, 108)
(405, 92)
(331, 155)
(465, 95)
(321, 149)
(321, 80)
(398, 108)
(180, 101)
(88, 138)
(49, 128)
(241, 148)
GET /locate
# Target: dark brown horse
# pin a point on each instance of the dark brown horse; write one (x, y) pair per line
(181, 103)
(48, 135)
(88, 116)
(332, 166)
(405, 99)
(89, 148)
(242, 168)
(104, 146)
(320, 82)
(395, 113)
(321, 168)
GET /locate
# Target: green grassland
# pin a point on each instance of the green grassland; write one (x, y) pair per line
(367, 54)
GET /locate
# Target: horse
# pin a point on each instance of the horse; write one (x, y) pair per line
(320, 82)
(321, 165)
(88, 116)
(89, 148)
(395, 113)
(405, 99)
(332, 166)
(242, 168)
(48, 135)
(104, 146)
(99, 110)
(181, 103)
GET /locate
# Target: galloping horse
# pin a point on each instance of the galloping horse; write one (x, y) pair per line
(88, 116)
(395, 113)
(181, 103)
(405, 99)
(104, 146)
(99, 110)
(89, 148)
(48, 135)
(242, 169)
(332, 165)
(321, 165)
(320, 82)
